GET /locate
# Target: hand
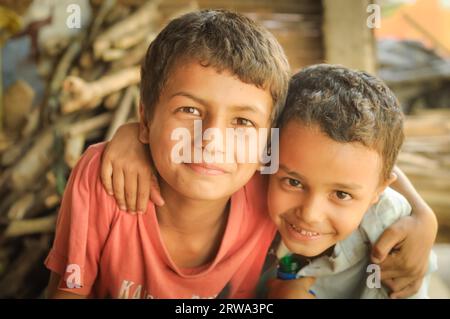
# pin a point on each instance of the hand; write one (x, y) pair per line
(132, 185)
(403, 252)
(291, 289)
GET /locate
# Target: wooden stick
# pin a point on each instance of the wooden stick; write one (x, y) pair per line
(12, 154)
(123, 111)
(20, 207)
(112, 100)
(18, 102)
(145, 15)
(78, 94)
(34, 162)
(65, 63)
(73, 150)
(31, 226)
(85, 126)
(130, 40)
(105, 8)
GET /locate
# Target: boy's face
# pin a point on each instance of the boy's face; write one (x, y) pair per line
(219, 100)
(322, 189)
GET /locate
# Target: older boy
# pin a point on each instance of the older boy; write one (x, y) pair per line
(211, 237)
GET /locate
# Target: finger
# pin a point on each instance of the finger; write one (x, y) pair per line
(387, 241)
(131, 182)
(408, 291)
(392, 274)
(155, 192)
(106, 172)
(395, 266)
(392, 267)
(143, 193)
(118, 186)
(398, 284)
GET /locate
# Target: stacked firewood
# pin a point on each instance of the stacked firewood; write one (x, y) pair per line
(425, 158)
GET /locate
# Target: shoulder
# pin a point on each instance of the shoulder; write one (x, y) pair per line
(89, 163)
(87, 169)
(84, 187)
(257, 186)
(256, 193)
(390, 207)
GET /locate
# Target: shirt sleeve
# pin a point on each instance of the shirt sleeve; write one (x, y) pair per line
(82, 226)
(390, 208)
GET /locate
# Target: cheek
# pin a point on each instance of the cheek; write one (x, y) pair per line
(161, 145)
(346, 221)
(278, 201)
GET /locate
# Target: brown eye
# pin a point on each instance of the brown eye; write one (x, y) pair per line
(242, 122)
(291, 182)
(343, 195)
(190, 110)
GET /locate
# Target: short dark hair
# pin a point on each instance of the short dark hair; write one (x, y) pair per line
(224, 40)
(348, 106)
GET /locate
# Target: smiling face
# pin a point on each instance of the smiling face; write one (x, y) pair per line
(323, 188)
(219, 100)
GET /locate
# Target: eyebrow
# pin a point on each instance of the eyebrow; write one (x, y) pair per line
(192, 97)
(349, 186)
(241, 108)
(290, 172)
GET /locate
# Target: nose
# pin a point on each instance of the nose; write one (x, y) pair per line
(213, 135)
(311, 209)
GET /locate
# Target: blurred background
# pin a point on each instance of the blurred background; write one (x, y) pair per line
(69, 77)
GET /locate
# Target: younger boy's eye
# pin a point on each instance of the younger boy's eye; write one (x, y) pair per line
(343, 195)
(189, 110)
(242, 122)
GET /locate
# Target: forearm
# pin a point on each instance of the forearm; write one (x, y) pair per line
(420, 208)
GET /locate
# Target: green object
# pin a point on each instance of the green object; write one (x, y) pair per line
(288, 267)
(289, 264)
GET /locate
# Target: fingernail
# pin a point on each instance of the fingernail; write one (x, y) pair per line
(122, 207)
(140, 212)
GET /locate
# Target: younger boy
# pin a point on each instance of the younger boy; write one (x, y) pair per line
(330, 199)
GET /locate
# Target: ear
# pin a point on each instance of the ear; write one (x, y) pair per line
(392, 178)
(143, 126)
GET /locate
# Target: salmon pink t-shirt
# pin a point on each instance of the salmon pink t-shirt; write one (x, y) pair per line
(103, 252)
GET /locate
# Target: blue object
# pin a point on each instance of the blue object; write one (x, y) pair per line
(288, 267)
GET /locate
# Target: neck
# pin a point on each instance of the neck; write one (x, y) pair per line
(191, 229)
(190, 216)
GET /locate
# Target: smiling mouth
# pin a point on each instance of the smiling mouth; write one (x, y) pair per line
(302, 231)
(301, 234)
(206, 169)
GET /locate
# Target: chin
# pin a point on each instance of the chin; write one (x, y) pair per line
(306, 249)
(203, 191)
